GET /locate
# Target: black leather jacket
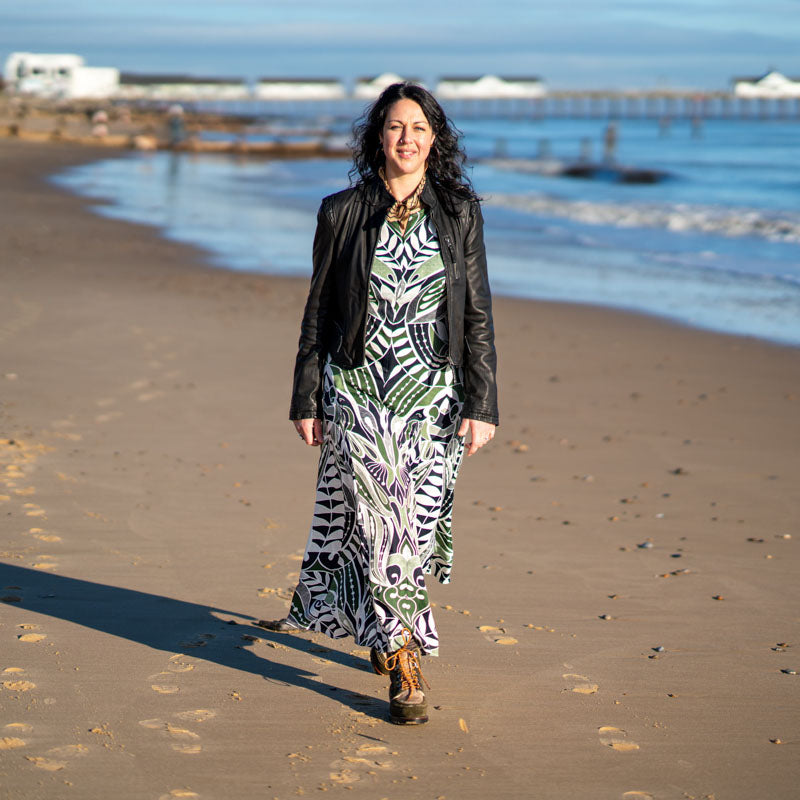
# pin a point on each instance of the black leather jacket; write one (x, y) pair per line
(334, 321)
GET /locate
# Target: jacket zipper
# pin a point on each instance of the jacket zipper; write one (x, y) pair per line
(451, 251)
(449, 242)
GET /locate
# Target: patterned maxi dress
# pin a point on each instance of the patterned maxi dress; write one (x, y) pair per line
(389, 459)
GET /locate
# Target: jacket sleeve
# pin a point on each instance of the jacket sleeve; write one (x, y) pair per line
(307, 387)
(480, 358)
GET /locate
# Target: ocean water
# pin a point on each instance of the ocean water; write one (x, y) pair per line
(714, 245)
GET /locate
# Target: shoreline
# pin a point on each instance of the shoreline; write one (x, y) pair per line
(145, 129)
(153, 492)
(214, 260)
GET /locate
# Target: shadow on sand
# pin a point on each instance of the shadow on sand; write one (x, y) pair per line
(165, 623)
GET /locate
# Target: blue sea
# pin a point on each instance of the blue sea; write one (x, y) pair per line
(714, 245)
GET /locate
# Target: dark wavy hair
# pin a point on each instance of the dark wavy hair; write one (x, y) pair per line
(447, 158)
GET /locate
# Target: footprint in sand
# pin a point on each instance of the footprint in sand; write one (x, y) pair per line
(163, 688)
(45, 563)
(496, 635)
(33, 510)
(616, 738)
(51, 765)
(57, 758)
(365, 763)
(107, 417)
(69, 751)
(363, 718)
(70, 437)
(180, 666)
(163, 681)
(197, 715)
(11, 742)
(580, 683)
(19, 686)
(43, 536)
(31, 637)
(146, 397)
(182, 740)
(18, 727)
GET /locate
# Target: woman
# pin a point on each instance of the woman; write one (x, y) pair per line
(396, 364)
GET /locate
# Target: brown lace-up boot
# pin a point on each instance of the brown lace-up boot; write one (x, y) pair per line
(407, 704)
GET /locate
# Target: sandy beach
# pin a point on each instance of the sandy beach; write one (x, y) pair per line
(624, 615)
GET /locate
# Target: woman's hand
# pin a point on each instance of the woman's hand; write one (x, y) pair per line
(480, 433)
(309, 430)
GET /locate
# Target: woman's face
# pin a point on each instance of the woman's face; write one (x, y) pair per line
(406, 138)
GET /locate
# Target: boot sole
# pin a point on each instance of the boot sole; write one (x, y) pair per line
(408, 720)
(408, 715)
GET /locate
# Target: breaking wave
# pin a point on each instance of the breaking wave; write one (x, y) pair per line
(778, 226)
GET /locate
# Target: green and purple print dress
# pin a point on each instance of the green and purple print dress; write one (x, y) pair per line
(389, 459)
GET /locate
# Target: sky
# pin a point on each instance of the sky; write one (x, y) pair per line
(571, 44)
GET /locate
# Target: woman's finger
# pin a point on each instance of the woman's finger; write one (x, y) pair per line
(309, 430)
(481, 433)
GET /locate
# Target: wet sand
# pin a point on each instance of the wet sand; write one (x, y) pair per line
(623, 617)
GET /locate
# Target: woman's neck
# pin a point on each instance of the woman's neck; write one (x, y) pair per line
(403, 186)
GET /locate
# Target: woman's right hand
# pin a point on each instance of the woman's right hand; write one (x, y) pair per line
(309, 430)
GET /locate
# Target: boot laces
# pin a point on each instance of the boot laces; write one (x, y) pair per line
(407, 659)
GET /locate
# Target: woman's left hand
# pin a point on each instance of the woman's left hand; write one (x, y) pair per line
(480, 433)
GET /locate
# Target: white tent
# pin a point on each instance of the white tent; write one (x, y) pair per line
(772, 85)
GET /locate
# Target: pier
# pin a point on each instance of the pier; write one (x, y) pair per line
(661, 105)
(639, 104)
